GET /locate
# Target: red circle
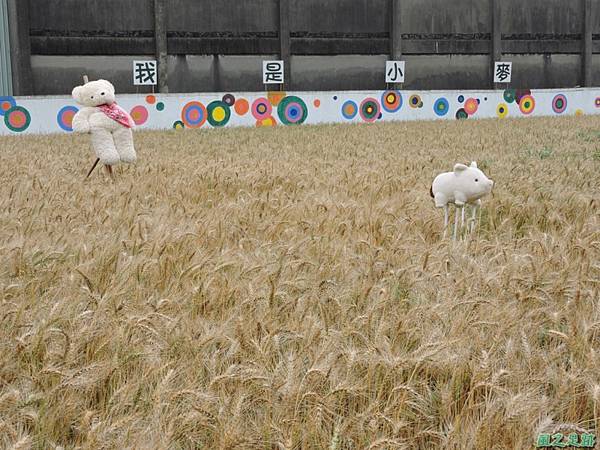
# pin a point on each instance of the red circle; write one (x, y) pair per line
(17, 119)
(5, 106)
(317, 103)
(151, 99)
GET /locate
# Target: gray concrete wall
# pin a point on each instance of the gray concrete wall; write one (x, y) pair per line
(335, 44)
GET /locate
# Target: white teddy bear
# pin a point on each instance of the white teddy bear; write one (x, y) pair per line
(464, 186)
(109, 124)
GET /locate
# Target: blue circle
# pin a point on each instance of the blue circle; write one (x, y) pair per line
(200, 115)
(351, 114)
(396, 105)
(461, 98)
(335, 97)
(59, 119)
(441, 106)
(293, 112)
(10, 100)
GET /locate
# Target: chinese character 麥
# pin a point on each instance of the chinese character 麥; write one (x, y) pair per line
(502, 72)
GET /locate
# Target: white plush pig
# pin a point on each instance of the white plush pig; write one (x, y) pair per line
(464, 186)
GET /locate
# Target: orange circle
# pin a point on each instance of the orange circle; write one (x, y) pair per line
(317, 103)
(275, 97)
(5, 106)
(151, 99)
(471, 106)
(241, 106)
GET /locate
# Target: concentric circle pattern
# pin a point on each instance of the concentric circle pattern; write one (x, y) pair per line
(292, 110)
(193, 114)
(218, 113)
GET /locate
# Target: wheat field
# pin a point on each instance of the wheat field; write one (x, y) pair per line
(289, 288)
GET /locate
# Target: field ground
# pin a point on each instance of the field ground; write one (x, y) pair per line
(289, 288)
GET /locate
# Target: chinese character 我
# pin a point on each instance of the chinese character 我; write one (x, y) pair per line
(144, 72)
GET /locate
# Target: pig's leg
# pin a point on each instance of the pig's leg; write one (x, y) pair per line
(462, 216)
(457, 204)
(455, 222)
(474, 215)
(445, 219)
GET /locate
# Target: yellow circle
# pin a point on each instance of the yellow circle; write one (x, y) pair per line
(502, 110)
(218, 113)
(579, 112)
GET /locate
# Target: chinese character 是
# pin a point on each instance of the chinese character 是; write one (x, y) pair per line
(274, 72)
(145, 72)
(502, 71)
(395, 72)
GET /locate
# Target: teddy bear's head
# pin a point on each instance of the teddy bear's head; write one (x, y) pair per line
(95, 93)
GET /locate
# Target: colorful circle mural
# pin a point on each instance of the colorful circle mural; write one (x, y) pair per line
(178, 125)
(229, 99)
(369, 109)
(218, 113)
(471, 106)
(441, 106)
(150, 99)
(241, 106)
(527, 104)
(391, 101)
(193, 114)
(461, 114)
(139, 114)
(415, 101)
(6, 103)
(502, 110)
(64, 117)
(261, 108)
(17, 119)
(509, 95)
(292, 110)
(559, 104)
(349, 109)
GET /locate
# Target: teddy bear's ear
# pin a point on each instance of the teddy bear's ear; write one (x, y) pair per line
(76, 94)
(108, 85)
(459, 168)
(474, 164)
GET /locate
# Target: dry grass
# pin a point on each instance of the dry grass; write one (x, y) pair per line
(288, 288)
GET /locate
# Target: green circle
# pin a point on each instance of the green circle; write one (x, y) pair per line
(160, 106)
(178, 123)
(510, 95)
(283, 104)
(211, 108)
(7, 116)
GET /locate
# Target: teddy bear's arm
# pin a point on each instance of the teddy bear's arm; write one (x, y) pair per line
(81, 119)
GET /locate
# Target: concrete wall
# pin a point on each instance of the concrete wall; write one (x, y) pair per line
(334, 44)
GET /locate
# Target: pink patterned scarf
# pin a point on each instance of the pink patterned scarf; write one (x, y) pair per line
(117, 113)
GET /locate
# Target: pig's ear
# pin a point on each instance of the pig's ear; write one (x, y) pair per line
(459, 168)
(77, 93)
(474, 164)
